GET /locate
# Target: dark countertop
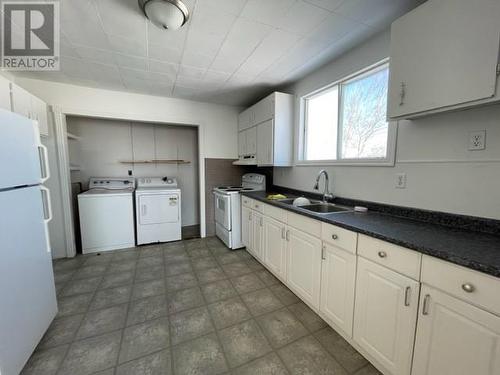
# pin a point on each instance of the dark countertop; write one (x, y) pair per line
(475, 250)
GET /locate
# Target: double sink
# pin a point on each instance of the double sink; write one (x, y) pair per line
(317, 207)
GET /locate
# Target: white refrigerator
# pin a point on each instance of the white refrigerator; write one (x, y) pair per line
(27, 292)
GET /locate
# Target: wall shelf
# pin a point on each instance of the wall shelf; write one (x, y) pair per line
(73, 136)
(156, 161)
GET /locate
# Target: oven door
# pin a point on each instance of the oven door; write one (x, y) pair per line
(223, 210)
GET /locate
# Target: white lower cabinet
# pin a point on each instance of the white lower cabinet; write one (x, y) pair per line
(385, 316)
(304, 265)
(257, 234)
(246, 228)
(455, 337)
(338, 278)
(274, 246)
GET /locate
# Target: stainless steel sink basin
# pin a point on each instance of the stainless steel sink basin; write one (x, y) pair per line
(290, 201)
(325, 208)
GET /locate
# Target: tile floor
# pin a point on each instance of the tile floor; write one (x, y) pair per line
(191, 307)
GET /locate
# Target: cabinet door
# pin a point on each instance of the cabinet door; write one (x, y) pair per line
(21, 102)
(304, 265)
(251, 141)
(430, 69)
(264, 110)
(39, 113)
(244, 120)
(265, 143)
(338, 276)
(5, 94)
(242, 143)
(246, 228)
(257, 229)
(274, 246)
(385, 315)
(455, 338)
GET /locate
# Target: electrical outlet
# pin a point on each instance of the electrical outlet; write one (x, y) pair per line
(477, 140)
(401, 181)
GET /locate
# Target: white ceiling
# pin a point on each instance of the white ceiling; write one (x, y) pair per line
(230, 51)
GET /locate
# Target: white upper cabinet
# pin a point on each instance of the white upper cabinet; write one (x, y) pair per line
(271, 121)
(31, 107)
(444, 56)
(5, 94)
(385, 316)
(454, 337)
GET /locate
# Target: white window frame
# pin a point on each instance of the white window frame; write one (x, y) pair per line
(390, 158)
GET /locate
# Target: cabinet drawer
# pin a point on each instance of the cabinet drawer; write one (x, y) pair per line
(247, 202)
(257, 206)
(339, 237)
(399, 259)
(469, 285)
(275, 212)
(310, 226)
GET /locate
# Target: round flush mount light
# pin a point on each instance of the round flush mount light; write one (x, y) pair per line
(165, 14)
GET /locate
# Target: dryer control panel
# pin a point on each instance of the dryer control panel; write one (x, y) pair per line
(157, 182)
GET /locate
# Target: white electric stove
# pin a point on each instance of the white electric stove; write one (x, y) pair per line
(228, 208)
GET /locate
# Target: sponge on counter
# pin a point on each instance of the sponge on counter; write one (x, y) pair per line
(276, 196)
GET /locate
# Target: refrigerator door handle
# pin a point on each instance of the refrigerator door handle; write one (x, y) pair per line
(47, 204)
(47, 214)
(44, 162)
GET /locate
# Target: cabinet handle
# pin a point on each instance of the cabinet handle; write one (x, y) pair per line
(323, 248)
(287, 235)
(256, 206)
(407, 295)
(468, 288)
(249, 216)
(382, 254)
(283, 235)
(425, 305)
(335, 237)
(261, 221)
(402, 94)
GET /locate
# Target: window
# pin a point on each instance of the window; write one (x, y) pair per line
(346, 122)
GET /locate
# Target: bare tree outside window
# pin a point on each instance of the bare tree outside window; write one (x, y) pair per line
(364, 124)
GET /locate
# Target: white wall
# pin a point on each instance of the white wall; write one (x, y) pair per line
(105, 143)
(219, 122)
(442, 174)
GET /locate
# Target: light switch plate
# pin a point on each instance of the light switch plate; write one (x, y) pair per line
(401, 181)
(477, 140)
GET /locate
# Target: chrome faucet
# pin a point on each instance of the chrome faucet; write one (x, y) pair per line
(326, 193)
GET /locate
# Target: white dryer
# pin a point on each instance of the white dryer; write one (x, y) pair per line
(107, 214)
(158, 210)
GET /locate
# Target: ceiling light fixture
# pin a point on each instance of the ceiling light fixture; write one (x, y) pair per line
(165, 14)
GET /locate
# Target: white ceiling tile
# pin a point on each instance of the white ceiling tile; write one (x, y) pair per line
(198, 60)
(127, 46)
(136, 84)
(95, 55)
(233, 7)
(204, 43)
(104, 73)
(330, 5)
(123, 18)
(174, 39)
(134, 74)
(211, 21)
(161, 90)
(132, 62)
(161, 78)
(67, 49)
(243, 38)
(75, 68)
(216, 77)
(266, 11)
(189, 82)
(333, 28)
(276, 44)
(164, 53)
(184, 92)
(302, 18)
(162, 67)
(193, 72)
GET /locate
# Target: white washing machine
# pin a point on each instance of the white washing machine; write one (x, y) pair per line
(158, 210)
(107, 214)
